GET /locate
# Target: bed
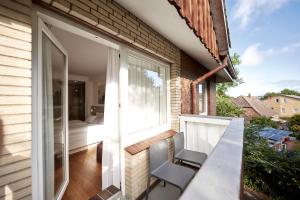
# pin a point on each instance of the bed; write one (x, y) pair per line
(84, 133)
(81, 134)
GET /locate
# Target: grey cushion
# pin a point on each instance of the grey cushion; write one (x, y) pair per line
(191, 156)
(174, 174)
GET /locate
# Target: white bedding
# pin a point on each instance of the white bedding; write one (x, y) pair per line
(81, 134)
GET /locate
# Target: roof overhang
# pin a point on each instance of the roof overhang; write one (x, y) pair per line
(164, 18)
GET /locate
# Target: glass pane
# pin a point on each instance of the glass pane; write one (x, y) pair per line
(53, 117)
(201, 98)
(147, 94)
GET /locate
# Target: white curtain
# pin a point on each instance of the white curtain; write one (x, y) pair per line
(147, 94)
(111, 149)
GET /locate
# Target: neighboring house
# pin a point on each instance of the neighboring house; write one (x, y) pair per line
(276, 138)
(79, 73)
(253, 107)
(284, 105)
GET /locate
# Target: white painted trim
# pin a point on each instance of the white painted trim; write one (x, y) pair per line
(134, 137)
(42, 29)
(37, 141)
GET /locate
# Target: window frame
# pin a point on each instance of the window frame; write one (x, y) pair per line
(136, 136)
(205, 98)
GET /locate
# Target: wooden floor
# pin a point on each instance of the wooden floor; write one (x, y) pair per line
(85, 176)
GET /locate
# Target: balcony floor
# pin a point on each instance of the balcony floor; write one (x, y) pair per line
(169, 192)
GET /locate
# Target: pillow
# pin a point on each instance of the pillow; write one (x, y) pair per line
(90, 119)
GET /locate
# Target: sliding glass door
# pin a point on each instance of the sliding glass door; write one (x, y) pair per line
(53, 72)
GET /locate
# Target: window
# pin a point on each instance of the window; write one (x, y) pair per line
(283, 110)
(147, 93)
(202, 97)
(277, 100)
(296, 110)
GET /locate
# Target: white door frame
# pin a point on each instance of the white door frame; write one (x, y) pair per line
(73, 27)
(42, 29)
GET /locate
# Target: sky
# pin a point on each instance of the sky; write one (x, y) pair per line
(266, 34)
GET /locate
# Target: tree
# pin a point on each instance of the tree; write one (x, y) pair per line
(222, 88)
(266, 170)
(262, 122)
(290, 92)
(225, 106)
(282, 92)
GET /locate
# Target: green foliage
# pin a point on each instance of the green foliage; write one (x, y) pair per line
(222, 88)
(282, 92)
(290, 92)
(294, 123)
(267, 171)
(262, 122)
(226, 108)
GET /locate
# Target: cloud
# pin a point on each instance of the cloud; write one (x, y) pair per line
(254, 55)
(247, 10)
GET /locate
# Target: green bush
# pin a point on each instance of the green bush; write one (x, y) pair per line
(226, 108)
(263, 122)
(266, 170)
(294, 123)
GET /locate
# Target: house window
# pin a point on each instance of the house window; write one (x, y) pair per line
(277, 100)
(283, 110)
(202, 98)
(147, 93)
(296, 110)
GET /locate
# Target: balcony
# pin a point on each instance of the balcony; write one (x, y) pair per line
(220, 177)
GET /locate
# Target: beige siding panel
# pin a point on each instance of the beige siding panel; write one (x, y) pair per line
(13, 187)
(14, 157)
(14, 167)
(14, 148)
(19, 8)
(15, 62)
(16, 34)
(20, 194)
(15, 81)
(10, 178)
(15, 43)
(16, 128)
(15, 91)
(17, 53)
(15, 109)
(15, 100)
(14, 71)
(15, 138)
(15, 119)
(14, 25)
(18, 16)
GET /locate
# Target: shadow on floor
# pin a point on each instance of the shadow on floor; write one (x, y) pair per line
(166, 193)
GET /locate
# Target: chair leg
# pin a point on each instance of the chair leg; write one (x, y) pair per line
(148, 187)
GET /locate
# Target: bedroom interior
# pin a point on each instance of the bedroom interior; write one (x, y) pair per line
(87, 61)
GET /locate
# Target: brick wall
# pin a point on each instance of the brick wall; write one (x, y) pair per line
(137, 169)
(110, 18)
(191, 70)
(15, 99)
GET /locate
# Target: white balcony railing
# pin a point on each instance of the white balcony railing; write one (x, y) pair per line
(221, 138)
